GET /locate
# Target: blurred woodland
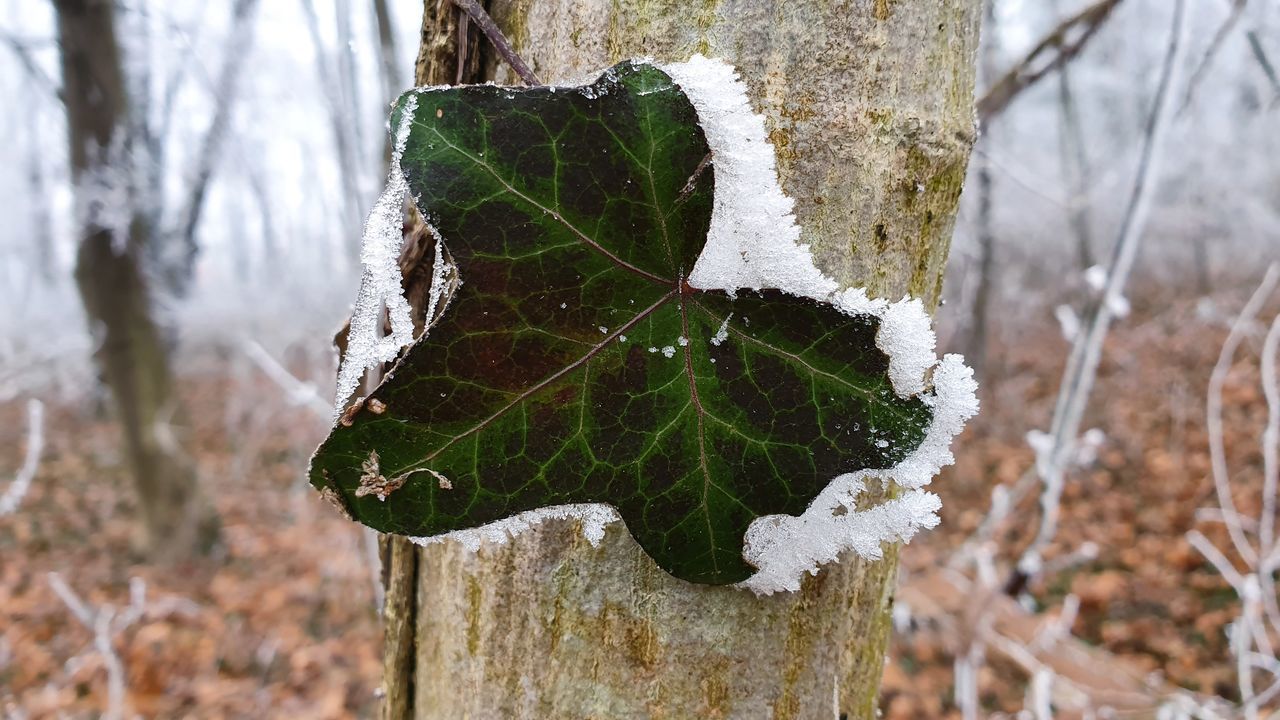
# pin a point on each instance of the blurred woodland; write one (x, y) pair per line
(1108, 543)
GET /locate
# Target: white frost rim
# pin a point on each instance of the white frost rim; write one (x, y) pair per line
(754, 243)
(380, 281)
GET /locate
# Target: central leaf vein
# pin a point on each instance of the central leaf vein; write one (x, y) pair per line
(544, 383)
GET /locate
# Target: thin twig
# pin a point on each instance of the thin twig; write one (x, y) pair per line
(236, 53)
(32, 67)
(499, 41)
(1256, 586)
(17, 490)
(305, 393)
(1213, 419)
(1057, 45)
(1270, 439)
(1255, 46)
(1075, 167)
(339, 125)
(1270, 474)
(1217, 560)
(99, 622)
(1219, 36)
(1086, 353)
(298, 391)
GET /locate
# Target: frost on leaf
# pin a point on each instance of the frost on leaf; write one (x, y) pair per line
(754, 404)
(380, 281)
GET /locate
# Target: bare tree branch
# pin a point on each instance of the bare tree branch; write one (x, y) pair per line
(236, 53)
(1059, 47)
(499, 41)
(1086, 352)
(1213, 404)
(1219, 36)
(391, 82)
(1255, 45)
(12, 497)
(37, 73)
(339, 116)
(1075, 165)
(1215, 45)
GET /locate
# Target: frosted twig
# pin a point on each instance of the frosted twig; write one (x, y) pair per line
(1060, 46)
(1249, 634)
(1217, 560)
(1057, 629)
(1237, 11)
(369, 539)
(1270, 473)
(966, 683)
(1266, 695)
(1213, 412)
(1240, 645)
(1270, 440)
(304, 393)
(1040, 694)
(17, 490)
(297, 391)
(1217, 515)
(499, 41)
(32, 67)
(1004, 499)
(235, 54)
(341, 121)
(98, 622)
(1086, 352)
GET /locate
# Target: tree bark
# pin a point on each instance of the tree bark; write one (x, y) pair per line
(869, 105)
(975, 347)
(131, 353)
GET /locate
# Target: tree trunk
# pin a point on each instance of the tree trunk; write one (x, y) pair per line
(130, 349)
(869, 105)
(975, 348)
(391, 83)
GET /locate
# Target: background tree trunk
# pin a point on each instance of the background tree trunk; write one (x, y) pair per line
(869, 105)
(130, 349)
(975, 350)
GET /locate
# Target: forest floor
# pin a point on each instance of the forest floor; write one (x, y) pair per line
(1146, 596)
(281, 621)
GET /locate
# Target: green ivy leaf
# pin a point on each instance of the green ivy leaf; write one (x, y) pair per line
(575, 364)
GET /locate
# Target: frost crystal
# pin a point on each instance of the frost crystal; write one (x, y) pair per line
(439, 269)
(594, 519)
(381, 281)
(1068, 321)
(754, 242)
(722, 333)
(106, 196)
(1095, 277)
(783, 547)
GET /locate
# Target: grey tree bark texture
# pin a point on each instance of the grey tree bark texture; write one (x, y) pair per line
(869, 104)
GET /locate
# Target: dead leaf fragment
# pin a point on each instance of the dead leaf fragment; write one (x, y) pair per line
(372, 482)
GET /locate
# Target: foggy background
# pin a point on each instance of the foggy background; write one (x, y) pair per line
(282, 619)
